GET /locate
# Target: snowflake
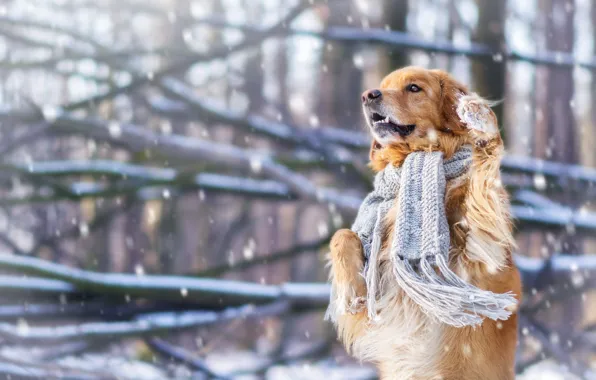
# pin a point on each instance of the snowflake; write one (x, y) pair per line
(249, 250)
(577, 280)
(358, 61)
(525, 331)
(139, 270)
(337, 220)
(115, 129)
(297, 104)
(50, 113)
(166, 127)
(554, 338)
(256, 164)
(84, 229)
(187, 35)
(22, 327)
(570, 228)
(323, 229)
(540, 182)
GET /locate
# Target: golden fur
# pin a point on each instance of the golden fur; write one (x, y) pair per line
(402, 341)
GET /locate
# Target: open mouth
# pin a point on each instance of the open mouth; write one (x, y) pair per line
(381, 121)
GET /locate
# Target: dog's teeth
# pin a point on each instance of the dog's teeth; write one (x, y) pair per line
(386, 119)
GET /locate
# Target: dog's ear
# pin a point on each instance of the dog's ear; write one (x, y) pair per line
(451, 91)
(374, 147)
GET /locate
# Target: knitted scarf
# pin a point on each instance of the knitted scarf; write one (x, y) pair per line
(420, 248)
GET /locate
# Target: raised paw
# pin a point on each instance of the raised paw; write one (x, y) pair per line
(357, 305)
(475, 112)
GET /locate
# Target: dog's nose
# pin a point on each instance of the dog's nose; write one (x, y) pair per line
(370, 95)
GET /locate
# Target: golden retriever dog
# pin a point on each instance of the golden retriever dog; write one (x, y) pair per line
(417, 109)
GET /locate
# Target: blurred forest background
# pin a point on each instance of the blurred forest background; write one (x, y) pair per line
(172, 172)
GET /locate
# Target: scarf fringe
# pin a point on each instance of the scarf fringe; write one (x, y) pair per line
(448, 298)
(371, 271)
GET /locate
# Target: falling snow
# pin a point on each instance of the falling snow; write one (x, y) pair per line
(139, 270)
(540, 182)
(256, 164)
(84, 229)
(115, 129)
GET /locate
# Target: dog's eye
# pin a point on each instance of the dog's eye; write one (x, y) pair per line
(413, 88)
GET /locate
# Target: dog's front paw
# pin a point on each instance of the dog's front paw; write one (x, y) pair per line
(357, 305)
(475, 112)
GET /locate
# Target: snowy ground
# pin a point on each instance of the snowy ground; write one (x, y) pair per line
(118, 365)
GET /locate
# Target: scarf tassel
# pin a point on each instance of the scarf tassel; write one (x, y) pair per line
(447, 297)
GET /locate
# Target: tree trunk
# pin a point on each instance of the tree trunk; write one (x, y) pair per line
(489, 75)
(341, 85)
(555, 136)
(396, 13)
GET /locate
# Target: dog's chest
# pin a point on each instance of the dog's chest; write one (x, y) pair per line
(404, 337)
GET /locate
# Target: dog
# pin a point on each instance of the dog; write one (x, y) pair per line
(416, 109)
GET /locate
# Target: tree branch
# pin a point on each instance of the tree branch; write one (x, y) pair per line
(264, 259)
(181, 356)
(206, 292)
(144, 325)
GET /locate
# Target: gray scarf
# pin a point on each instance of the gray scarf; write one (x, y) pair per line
(420, 249)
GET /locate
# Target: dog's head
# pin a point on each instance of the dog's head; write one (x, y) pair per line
(413, 109)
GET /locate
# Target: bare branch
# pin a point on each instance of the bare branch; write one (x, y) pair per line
(207, 292)
(181, 356)
(401, 40)
(105, 309)
(145, 325)
(265, 259)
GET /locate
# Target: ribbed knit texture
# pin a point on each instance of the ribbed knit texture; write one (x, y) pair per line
(420, 248)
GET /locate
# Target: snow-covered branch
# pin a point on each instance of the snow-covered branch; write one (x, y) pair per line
(206, 292)
(58, 279)
(143, 325)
